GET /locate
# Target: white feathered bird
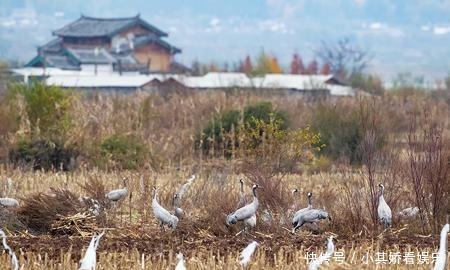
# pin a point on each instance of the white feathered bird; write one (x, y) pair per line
(441, 259)
(309, 216)
(384, 211)
(300, 213)
(176, 209)
(309, 207)
(251, 221)
(9, 202)
(409, 212)
(116, 195)
(244, 212)
(185, 186)
(89, 260)
(247, 252)
(180, 264)
(242, 198)
(164, 216)
(12, 255)
(314, 265)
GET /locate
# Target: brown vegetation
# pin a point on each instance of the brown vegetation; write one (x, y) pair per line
(387, 139)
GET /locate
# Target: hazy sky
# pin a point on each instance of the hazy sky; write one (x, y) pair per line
(402, 35)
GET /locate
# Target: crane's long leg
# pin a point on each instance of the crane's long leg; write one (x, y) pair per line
(296, 227)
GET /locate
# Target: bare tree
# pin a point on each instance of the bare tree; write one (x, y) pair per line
(428, 169)
(344, 57)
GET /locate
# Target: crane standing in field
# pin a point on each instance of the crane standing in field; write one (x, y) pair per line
(441, 260)
(164, 216)
(384, 211)
(9, 202)
(242, 198)
(175, 204)
(118, 194)
(185, 186)
(409, 212)
(314, 265)
(12, 255)
(179, 213)
(180, 264)
(308, 215)
(245, 212)
(251, 221)
(309, 207)
(246, 253)
(89, 260)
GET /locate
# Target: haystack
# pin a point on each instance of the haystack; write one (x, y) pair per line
(41, 211)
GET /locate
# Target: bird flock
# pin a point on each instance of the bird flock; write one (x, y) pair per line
(245, 214)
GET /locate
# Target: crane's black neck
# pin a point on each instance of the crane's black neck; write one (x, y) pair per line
(254, 191)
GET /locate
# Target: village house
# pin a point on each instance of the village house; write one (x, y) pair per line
(129, 54)
(103, 45)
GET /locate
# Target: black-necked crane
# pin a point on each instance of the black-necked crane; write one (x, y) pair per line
(175, 204)
(409, 212)
(245, 212)
(9, 202)
(89, 260)
(185, 186)
(247, 253)
(251, 221)
(441, 259)
(118, 194)
(314, 265)
(299, 212)
(180, 264)
(310, 216)
(12, 255)
(384, 211)
(164, 216)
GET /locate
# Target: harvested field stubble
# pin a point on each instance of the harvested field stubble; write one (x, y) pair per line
(134, 241)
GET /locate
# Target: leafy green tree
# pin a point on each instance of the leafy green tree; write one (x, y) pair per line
(220, 134)
(48, 108)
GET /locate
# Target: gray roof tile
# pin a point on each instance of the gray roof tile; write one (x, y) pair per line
(99, 27)
(90, 56)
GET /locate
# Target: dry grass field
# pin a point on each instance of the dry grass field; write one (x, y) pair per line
(134, 240)
(152, 140)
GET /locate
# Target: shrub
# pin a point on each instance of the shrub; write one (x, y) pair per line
(267, 153)
(220, 133)
(340, 134)
(264, 111)
(47, 108)
(213, 134)
(123, 151)
(43, 155)
(320, 164)
(343, 130)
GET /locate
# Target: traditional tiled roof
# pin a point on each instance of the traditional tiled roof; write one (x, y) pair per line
(53, 46)
(92, 56)
(145, 39)
(127, 62)
(56, 60)
(61, 61)
(99, 27)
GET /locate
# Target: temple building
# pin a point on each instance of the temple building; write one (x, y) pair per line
(109, 45)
